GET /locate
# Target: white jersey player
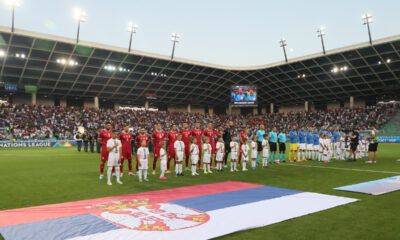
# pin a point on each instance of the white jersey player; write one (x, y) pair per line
(265, 152)
(163, 160)
(253, 152)
(220, 151)
(234, 153)
(179, 147)
(143, 160)
(245, 154)
(114, 148)
(194, 155)
(207, 150)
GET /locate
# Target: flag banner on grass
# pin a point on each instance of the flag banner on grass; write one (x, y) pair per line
(30, 89)
(376, 187)
(10, 87)
(195, 212)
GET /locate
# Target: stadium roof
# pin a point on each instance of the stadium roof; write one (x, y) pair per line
(60, 67)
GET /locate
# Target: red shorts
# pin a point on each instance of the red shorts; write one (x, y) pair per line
(157, 152)
(171, 152)
(126, 154)
(104, 154)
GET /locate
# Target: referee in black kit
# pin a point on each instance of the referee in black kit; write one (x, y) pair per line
(227, 136)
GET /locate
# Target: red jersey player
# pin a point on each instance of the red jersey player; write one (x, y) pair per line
(209, 133)
(126, 137)
(157, 137)
(186, 140)
(141, 136)
(242, 137)
(197, 133)
(104, 136)
(172, 136)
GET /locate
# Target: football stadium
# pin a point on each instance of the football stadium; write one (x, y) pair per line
(114, 137)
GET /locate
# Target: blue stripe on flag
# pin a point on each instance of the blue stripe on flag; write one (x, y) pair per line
(59, 228)
(234, 198)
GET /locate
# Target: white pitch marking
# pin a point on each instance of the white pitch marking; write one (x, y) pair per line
(337, 168)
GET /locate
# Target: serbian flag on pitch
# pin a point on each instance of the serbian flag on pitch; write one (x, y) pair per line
(195, 212)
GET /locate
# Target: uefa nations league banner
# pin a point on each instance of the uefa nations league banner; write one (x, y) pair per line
(37, 143)
(389, 139)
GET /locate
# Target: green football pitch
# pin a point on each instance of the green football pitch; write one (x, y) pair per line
(30, 177)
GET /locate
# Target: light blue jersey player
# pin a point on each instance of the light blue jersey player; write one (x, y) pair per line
(302, 145)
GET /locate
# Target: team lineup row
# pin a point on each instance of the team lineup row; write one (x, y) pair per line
(188, 145)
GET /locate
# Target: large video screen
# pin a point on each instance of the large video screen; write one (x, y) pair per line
(244, 95)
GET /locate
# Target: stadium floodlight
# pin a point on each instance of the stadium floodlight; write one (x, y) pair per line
(388, 60)
(132, 29)
(283, 45)
(80, 16)
(20, 55)
(321, 34)
(2, 53)
(12, 4)
(175, 39)
(367, 20)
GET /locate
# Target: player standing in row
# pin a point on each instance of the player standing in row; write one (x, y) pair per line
(265, 153)
(302, 145)
(163, 160)
(234, 146)
(315, 145)
(242, 137)
(197, 133)
(126, 137)
(186, 140)
(104, 136)
(207, 156)
(172, 137)
(309, 141)
(143, 157)
(219, 153)
(194, 155)
(217, 134)
(157, 137)
(179, 152)
(114, 149)
(294, 141)
(139, 138)
(209, 133)
(254, 152)
(244, 149)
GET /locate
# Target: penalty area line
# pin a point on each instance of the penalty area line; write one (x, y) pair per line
(338, 168)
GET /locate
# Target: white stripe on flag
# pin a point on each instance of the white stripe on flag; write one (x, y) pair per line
(232, 219)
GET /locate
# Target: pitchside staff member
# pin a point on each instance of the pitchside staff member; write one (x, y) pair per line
(373, 146)
(85, 138)
(354, 138)
(92, 139)
(227, 136)
(78, 138)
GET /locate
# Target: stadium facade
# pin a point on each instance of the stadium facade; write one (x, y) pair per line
(92, 74)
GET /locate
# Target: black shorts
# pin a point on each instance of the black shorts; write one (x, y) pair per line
(259, 146)
(373, 147)
(282, 147)
(272, 147)
(353, 146)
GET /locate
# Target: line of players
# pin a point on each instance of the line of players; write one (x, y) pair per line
(186, 144)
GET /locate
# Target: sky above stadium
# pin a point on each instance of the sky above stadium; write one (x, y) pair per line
(226, 32)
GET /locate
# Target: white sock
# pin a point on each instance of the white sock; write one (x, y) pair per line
(231, 165)
(208, 167)
(253, 163)
(117, 173)
(244, 165)
(205, 167)
(145, 173)
(162, 173)
(109, 171)
(140, 174)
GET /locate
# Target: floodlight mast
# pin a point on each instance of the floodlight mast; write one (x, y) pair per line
(175, 39)
(81, 17)
(132, 29)
(283, 44)
(367, 20)
(321, 34)
(13, 4)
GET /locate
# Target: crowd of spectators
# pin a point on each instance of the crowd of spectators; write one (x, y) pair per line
(26, 122)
